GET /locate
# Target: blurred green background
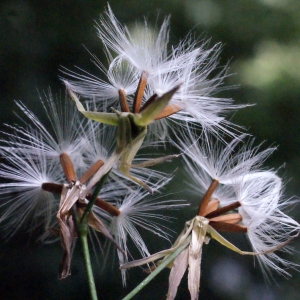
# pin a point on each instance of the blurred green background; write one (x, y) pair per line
(261, 39)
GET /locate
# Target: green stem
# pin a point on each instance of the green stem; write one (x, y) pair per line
(94, 196)
(161, 266)
(83, 233)
(83, 230)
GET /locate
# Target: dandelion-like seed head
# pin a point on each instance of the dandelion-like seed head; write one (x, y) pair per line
(60, 132)
(79, 176)
(143, 62)
(26, 205)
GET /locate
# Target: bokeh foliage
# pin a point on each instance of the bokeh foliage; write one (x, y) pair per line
(261, 40)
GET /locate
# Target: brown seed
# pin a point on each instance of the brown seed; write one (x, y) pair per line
(229, 218)
(211, 206)
(105, 206)
(223, 210)
(226, 227)
(123, 101)
(68, 167)
(140, 92)
(206, 197)
(91, 171)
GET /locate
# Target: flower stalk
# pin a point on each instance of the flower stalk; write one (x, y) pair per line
(83, 236)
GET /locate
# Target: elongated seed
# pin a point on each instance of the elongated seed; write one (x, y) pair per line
(226, 227)
(123, 101)
(91, 171)
(223, 210)
(68, 167)
(206, 197)
(139, 93)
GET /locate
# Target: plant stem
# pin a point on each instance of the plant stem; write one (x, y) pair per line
(83, 230)
(161, 266)
(83, 233)
(94, 196)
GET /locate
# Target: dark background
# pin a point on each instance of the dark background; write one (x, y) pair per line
(261, 41)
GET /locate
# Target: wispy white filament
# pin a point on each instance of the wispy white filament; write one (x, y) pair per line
(26, 205)
(63, 136)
